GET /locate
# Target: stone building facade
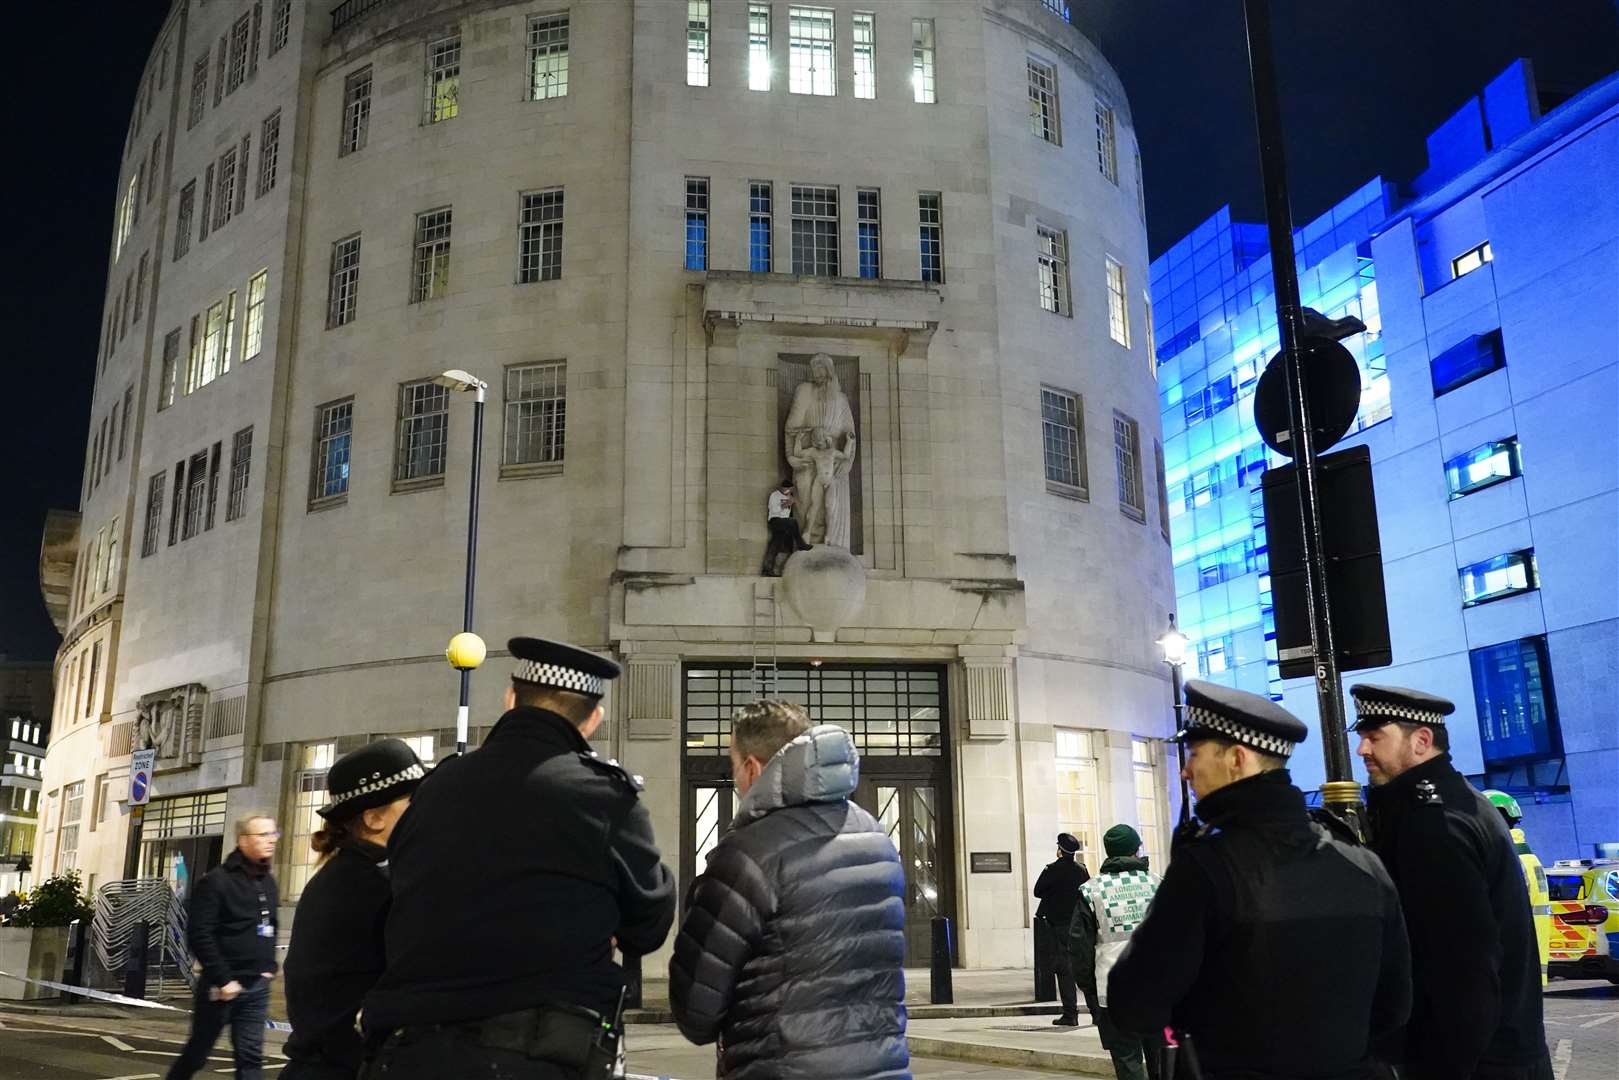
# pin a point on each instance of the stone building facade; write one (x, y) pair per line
(639, 222)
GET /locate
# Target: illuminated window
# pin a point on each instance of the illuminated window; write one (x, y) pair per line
(308, 796)
(1499, 577)
(356, 111)
(697, 28)
(759, 46)
(1468, 261)
(1118, 313)
(536, 414)
(1107, 149)
(761, 200)
(423, 427)
(1483, 466)
(334, 428)
(443, 79)
(430, 275)
(869, 212)
(1043, 117)
(343, 293)
(696, 223)
(1079, 794)
(812, 68)
(1127, 460)
(865, 54)
(1152, 797)
(924, 89)
(547, 57)
(253, 335)
(1052, 257)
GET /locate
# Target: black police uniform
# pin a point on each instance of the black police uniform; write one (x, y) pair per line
(1477, 1010)
(514, 870)
(1057, 889)
(1271, 948)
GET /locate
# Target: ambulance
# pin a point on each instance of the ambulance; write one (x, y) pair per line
(1585, 918)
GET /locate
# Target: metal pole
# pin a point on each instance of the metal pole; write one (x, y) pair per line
(1279, 219)
(1180, 745)
(472, 566)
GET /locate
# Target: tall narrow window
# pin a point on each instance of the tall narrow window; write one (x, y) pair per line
(211, 358)
(536, 414)
(241, 464)
(140, 284)
(280, 25)
(697, 27)
(123, 432)
(204, 223)
(1118, 312)
(269, 151)
(1152, 335)
(343, 294)
(815, 230)
(239, 33)
(1141, 188)
(199, 92)
(1063, 438)
(1044, 121)
(430, 276)
(154, 515)
(865, 54)
(177, 502)
(1517, 707)
(811, 67)
(253, 335)
(423, 423)
(930, 217)
(443, 79)
(356, 111)
(219, 73)
(1127, 458)
(696, 223)
(758, 46)
(334, 425)
(869, 212)
(1053, 264)
(258, 32)
(923, 86)
(196, 495)
(760, 200)
(1150, 798)
(183, 219)
(1163, 491)
(154, 167)
(169, 380)
(213, 485)
(547, 57)
(241, 172)
(1107, 148)
(540, 236)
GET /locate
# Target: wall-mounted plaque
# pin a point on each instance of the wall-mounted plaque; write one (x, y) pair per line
(991, 862)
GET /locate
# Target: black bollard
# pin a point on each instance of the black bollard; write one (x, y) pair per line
(943, 992)
(74, 972)
(1045, 978)
(135, 961)
(632, 982)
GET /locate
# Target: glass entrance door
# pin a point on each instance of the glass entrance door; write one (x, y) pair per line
(908, 810)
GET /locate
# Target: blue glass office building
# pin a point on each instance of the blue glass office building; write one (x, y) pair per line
(1490, 405)
(1214, 314)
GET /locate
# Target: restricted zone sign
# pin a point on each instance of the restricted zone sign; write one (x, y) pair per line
(140, 776)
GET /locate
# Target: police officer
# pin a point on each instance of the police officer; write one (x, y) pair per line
(1057, 889)
(1477, 1009)
(515, 870)
(1271, 948)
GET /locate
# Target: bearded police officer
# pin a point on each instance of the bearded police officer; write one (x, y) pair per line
(515, 870)
(1477, 1010)
(1271, 948)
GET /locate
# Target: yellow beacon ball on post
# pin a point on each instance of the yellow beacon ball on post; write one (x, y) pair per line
(466, 651)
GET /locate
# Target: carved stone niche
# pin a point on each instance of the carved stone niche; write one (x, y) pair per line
(170, 722)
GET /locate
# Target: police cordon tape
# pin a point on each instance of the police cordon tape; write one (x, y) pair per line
(120, 999)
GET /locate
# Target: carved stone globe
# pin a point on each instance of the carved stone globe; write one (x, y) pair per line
(826, 586)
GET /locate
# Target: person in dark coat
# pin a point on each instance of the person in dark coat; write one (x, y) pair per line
(1271, 948)
(792, 949)
(337, 950)
(1478, 1010)
(515, 870)
(1057, 889)
(231, 932)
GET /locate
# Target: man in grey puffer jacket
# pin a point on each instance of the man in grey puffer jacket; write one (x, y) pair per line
(792, 948)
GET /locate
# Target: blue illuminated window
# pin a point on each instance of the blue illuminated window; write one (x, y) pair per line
(1467, 360)
(1500, 577)
(1517, 709)
(868, 206)
(760, 200)
(1483, 466)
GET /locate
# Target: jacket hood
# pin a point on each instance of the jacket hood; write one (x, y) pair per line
(1123, 864)
(819, 766)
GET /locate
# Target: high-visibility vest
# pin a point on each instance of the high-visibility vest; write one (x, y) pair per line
(1540, 899)
(1119, 902)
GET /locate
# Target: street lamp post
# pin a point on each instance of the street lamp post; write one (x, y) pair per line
(1173, 642)
(464, 654)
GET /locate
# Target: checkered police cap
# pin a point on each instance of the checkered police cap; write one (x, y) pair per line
(1378, 705)
(553, 663)
(1249, 719)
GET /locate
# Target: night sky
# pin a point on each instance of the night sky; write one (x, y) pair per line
(1362, 82)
